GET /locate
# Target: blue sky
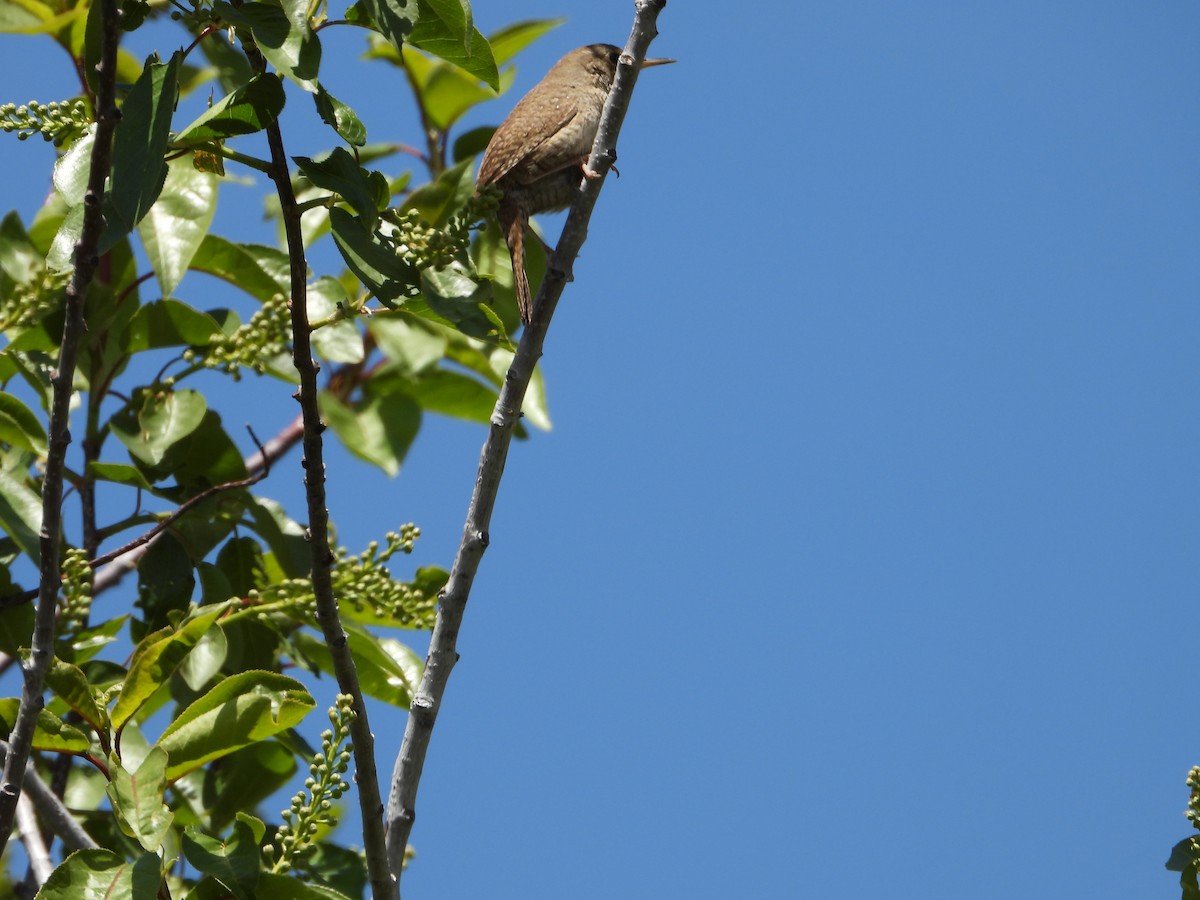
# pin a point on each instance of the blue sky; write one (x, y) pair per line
(859, 556)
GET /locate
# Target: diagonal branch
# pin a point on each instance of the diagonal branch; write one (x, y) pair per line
(86, 262)
(442, 646)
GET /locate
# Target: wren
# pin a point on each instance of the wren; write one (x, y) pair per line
(538, 155)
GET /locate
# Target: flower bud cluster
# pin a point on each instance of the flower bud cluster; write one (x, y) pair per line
(312, 808)
(253, 345)
(54, 121)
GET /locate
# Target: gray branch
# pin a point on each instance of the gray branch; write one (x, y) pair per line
(383, 886)
(86, 260)
(443, 654)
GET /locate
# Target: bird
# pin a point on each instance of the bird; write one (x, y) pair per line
(538, 155)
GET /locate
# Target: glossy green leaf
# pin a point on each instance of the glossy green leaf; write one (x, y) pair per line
(340, 117)
(248, 109)
(62, 251)
(447, 91)
(394, 19)
(205, 660)
(338, 171)
(139, 144)
(71, 685)
(50, 734)
(235, 862)
(156, 658)
(176, 224)
(260, 271)
(164, 417)
(283, 34)
(379, 429)
(20, 513)
(461, 300)
(16, 628)
(87, 874)
(387, 670)
(444, 29)
(25, 17)
(242, 709)
(71, 170)
(339, 341)
(19, 427)
(137, 799)
(381, 272)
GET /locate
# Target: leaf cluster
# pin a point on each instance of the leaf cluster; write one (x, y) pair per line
(166, 752)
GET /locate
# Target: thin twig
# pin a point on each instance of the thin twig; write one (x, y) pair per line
(49, 578)
(383, 886)
(185, 507)
(442, 645)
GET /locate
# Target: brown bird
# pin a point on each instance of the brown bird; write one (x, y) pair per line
(539, 153)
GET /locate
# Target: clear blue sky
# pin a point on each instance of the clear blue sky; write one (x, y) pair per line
(861, 557)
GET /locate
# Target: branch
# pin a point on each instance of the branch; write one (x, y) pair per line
(443, 654)
(383, 886)
(53, 812)
(31, 837)
(86, 260)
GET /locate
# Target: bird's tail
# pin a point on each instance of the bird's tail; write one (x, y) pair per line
(514, 235)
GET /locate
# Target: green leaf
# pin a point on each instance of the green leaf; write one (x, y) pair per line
(205, 660)
(440, 199)
(170, 323)
(377, 429)
(62, 252)
(235, 862)
(139, 144)
(340, 117)
(19, 427)
(338, 171)
(71, 685)
(51, 733)
(339, 341)
(286, 537)
(87, 874)
(412, 347)
(20, 513)
(448, 33)
(176, 224)
(387, 670)
(71, 170)
(512, 39)
(240, 710)
(248, 109)
(156, 658)
(446, 91)
(279, 887)
(453, 394)
(166, 579)
(164, 417)
(244, 779)
(461, 300)
(262, 272)
(283, 34)
(87, 643)
(394, 19)
(16, 628)
(383, 273)
(119, 473)
(137, 799)
(19, 258)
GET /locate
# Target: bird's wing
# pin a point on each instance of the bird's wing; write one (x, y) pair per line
(498, 160)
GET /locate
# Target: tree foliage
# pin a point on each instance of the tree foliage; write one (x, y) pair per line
(171, 749)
